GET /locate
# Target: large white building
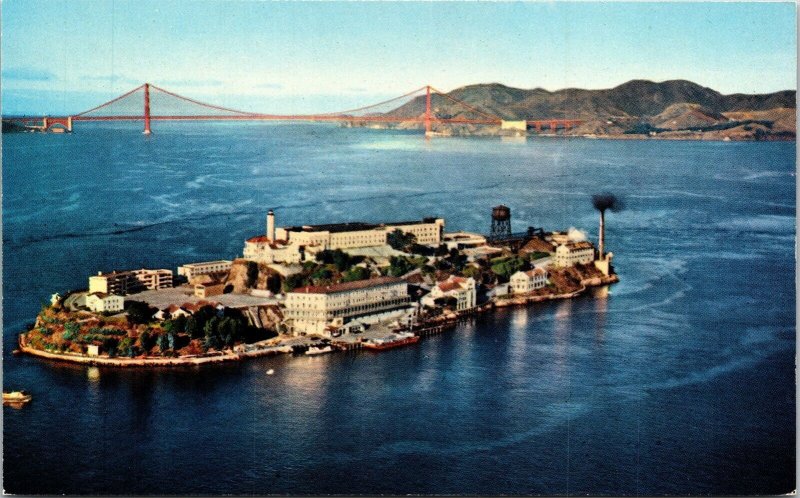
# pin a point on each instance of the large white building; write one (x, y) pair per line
(289, 244)
(527, 281)
(191, 270)
(101, 302)
(130, 281)
(333, 309)
(462, 289)
(572, 253)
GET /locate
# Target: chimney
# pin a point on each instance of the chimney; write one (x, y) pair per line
(602, 237)
(271, 225)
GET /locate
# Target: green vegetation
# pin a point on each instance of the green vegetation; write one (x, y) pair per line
(398, 266)
(400, 240)
(340, 259)
(505, 267)
(538, 255)
(140, 312)
(60, 331)
(356, 273)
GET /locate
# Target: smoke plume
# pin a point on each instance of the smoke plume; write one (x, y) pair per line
(607, 201)
(575, 235)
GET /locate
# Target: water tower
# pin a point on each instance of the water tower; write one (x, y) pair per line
(501, 222)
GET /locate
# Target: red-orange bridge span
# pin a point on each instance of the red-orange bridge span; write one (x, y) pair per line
(130, 106)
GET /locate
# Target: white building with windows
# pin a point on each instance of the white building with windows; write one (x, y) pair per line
(100, 302)
(464, 290)
(330, 310)
(527, 281)
(191, 270)
(290, 244)
(571, 253)
(130, 281)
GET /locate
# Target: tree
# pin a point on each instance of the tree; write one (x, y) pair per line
(163, 343)
(110, 346)
(193, 328)
(140, 312)
(356, 273)
(440, 251)
(322, 273)
(399, 266)
(176, 325)
(400, 240)
(505, 268)
(293, 281)
(71, 330)
(146, 341)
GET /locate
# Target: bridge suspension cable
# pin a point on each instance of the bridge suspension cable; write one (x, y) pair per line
(149, 102)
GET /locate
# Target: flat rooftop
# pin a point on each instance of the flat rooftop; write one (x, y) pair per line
(353, 226)
(348, 286)
(203, 263)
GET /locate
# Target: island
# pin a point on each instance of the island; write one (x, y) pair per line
(316, 289)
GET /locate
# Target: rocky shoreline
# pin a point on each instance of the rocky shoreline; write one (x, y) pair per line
(275, 347)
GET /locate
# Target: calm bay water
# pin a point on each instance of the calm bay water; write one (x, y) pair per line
(681, 381)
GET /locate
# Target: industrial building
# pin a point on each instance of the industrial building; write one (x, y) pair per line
(335, 309)
(126, 282)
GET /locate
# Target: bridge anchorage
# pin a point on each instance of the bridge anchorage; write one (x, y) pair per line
(426, 108)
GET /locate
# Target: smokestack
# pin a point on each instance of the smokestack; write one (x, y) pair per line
(601, 242)
(271, 225)
(602, 202)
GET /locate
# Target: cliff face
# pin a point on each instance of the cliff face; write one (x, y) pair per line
(245, 275)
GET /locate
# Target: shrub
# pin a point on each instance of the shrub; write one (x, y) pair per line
(71, 330)
(356, 273)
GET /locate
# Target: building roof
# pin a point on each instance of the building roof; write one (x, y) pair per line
(117, 273)
(452, 283)
(101, 295)
(263, 239)
(448, 286)
(348, 286)
(584, 244)
(537, 244)
(203, 263)
(456, 236)
(536, 271)
(353, 226)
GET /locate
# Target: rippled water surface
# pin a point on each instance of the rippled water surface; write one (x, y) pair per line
(679, 381)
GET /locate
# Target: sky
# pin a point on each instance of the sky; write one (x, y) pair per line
(65, 57)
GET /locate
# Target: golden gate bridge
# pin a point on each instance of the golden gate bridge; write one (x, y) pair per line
(423, 106)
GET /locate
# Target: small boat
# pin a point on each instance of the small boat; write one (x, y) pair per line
(314, 351)
(270, 371)
(16, 397)
(381, 344)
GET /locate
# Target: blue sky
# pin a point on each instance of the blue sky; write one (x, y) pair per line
(63, 57)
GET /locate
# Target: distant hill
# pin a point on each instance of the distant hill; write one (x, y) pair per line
(627, 108)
